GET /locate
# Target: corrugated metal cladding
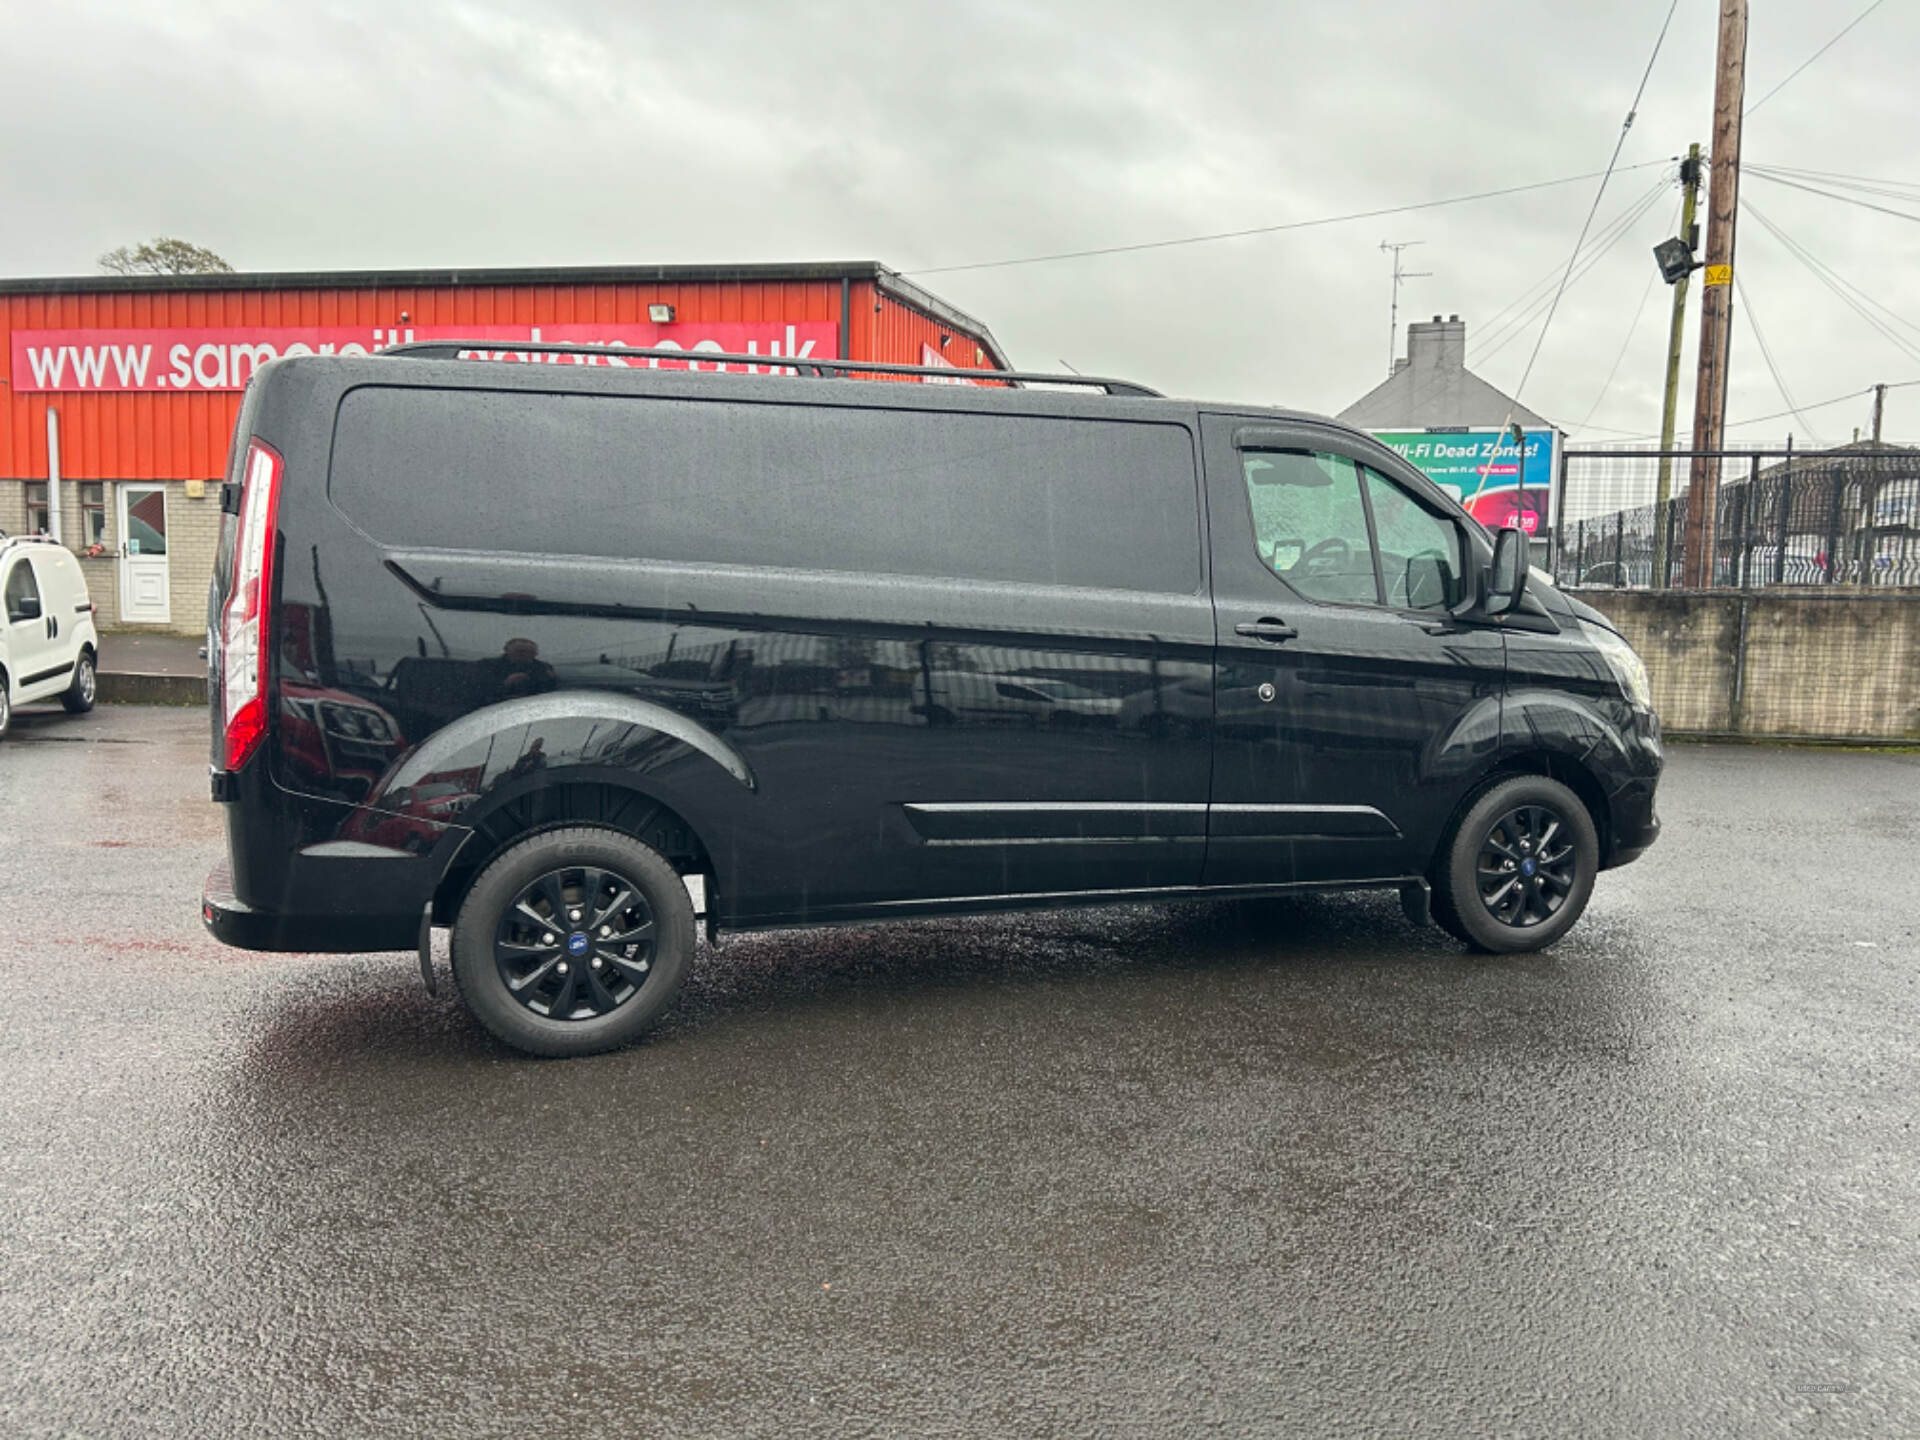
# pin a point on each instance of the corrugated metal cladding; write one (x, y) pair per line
(905, 336)
(163, 436)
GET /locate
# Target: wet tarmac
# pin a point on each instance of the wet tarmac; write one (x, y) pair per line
(1260, 1169)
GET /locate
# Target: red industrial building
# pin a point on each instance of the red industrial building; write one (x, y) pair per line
(118, 393)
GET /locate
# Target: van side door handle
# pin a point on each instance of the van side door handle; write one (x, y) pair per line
(1267, 628)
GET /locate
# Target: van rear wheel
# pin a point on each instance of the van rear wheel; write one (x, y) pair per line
(1519, 868)
(78, 697)
(573, 941)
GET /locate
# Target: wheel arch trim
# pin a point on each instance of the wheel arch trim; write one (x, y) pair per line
(483, 724)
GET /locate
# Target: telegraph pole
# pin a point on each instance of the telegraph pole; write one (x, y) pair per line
(1399, 275)
(1716, 295)
(1663, 491)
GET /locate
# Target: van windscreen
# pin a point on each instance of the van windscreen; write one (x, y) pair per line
(1023, 499)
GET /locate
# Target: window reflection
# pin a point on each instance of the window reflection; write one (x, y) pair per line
(1310, 524)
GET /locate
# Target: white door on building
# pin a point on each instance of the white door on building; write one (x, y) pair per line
(144, 596)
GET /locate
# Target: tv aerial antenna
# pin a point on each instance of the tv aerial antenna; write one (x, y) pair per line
(1400, 277)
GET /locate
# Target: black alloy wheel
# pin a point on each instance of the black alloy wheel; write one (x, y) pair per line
(1526, 870)
(573, 941)
(575, 944)
(1518, 868)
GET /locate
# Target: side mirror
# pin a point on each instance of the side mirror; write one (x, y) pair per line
(1506, 579)
(27, 607)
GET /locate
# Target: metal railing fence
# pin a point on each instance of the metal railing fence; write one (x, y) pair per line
(1783, 517)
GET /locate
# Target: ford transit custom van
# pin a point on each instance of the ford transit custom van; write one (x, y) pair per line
(542, 652)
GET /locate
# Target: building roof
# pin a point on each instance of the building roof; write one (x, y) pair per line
(1891, 458)
(889, 282)
(1432, 386)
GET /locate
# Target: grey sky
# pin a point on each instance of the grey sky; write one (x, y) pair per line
(352, 135)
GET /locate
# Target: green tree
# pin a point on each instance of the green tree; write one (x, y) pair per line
(164, 255)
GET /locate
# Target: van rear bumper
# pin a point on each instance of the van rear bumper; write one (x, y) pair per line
(232, 921)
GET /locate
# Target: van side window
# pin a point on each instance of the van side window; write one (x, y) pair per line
(20, 586)
(1027, 499)
(1419, 551)
(1310, 523)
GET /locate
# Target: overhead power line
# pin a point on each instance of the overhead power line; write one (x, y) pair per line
(1864, 305)
(1646, 205)
(1271, 229)
(1766, 353)
(1627, 435)
(1633, 327)
(1794, 73)
(1782, 414)
(1531, 302)
(1765, 173)
(1594, 209)
(1867, 184)
(1799, 414)
(1823, 269)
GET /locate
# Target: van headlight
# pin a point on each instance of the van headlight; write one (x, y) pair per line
(1628, 668)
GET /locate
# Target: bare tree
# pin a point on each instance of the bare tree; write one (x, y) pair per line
(164, 256)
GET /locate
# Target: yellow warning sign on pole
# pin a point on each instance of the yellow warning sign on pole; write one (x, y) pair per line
(1719, 274)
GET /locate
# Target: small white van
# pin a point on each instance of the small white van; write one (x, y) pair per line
(48, 647)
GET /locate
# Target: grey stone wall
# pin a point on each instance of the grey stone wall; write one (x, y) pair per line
(1813, 664)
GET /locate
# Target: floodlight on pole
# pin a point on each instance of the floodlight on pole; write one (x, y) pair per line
(1675, 259)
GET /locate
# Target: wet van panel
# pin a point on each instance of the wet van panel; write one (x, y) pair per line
(868, 654)
(1352, 706)
(1563, 701)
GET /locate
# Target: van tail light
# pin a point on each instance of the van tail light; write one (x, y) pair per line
(246, 625)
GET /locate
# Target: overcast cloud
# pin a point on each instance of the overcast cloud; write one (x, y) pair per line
(375, 135)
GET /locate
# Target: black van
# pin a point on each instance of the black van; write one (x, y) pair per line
(540, 651)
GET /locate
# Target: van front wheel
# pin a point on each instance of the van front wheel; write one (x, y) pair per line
(573, 941)
(1519, 868)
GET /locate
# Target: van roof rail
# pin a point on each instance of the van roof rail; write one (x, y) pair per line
(803, 365)
(7, 542)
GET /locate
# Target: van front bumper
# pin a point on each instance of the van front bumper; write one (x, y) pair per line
(232, 921)
(1635, 822)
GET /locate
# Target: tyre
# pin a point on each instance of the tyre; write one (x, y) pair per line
(6, 704)
(78, 697)
(1519, 867)
(573, 941)
(1444, 916)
